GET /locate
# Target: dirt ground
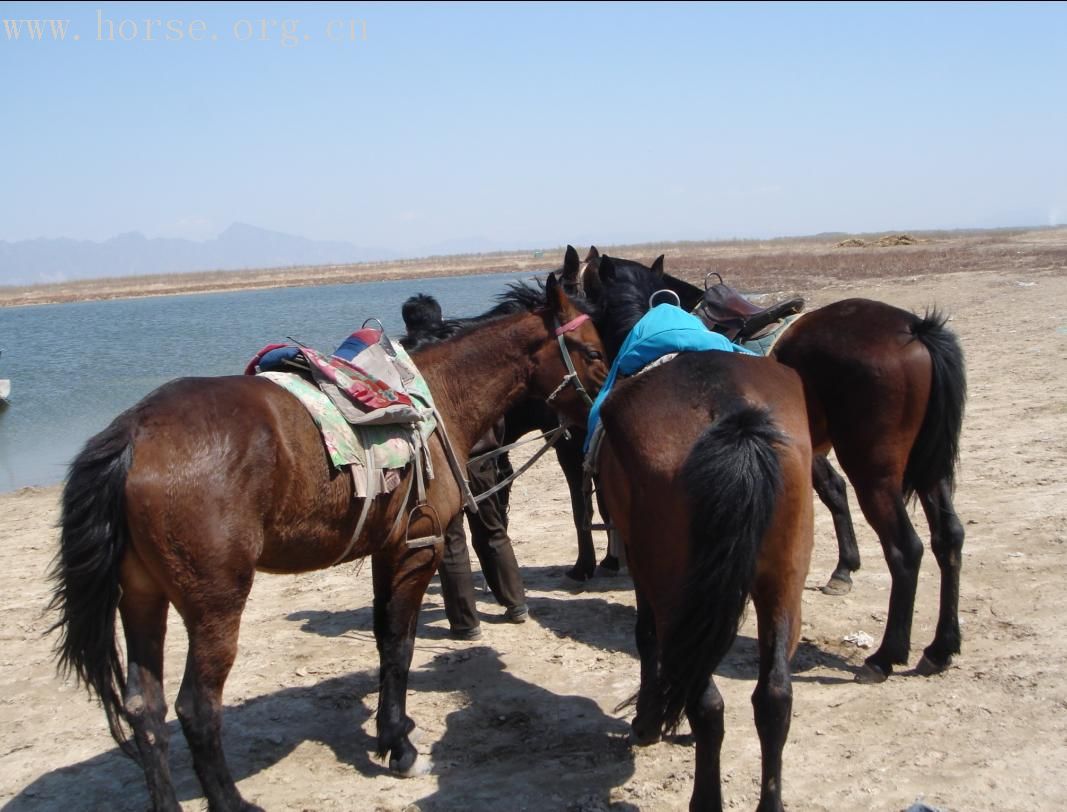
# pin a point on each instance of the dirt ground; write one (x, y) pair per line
(525, 718)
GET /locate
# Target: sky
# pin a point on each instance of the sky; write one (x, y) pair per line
(406, 126)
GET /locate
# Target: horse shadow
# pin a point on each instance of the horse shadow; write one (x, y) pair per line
(509, 731)
(552, 579)
(360, 621)
(258, 733)
(498, 751)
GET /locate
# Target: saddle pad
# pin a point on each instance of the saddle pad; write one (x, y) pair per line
(390, 447)
(763, 342)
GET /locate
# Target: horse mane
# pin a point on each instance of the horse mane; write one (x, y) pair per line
(625, 298)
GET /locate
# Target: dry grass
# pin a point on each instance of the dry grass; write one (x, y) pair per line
(793, 264)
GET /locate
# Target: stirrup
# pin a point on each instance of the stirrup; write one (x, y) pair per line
(435, 522)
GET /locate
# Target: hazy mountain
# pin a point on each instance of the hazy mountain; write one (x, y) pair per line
(239, 246)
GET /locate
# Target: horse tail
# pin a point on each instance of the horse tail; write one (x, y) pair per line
(936, 451)
(85, 572)
(732, 478)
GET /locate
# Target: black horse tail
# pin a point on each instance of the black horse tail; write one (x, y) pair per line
(85, 572)
(936, 451)
(732, 478)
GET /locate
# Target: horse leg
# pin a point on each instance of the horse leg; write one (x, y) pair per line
(646, 726)
(212, 625)
(946, 539)
(144, 622)
(705, 714)
(772, 700)
(570, 458)
(401, 576)
(832, 491)
(883, 506)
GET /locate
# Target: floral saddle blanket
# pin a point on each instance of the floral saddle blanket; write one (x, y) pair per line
(369, 401)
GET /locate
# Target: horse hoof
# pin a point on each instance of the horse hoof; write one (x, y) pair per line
(573, 584)
(643, 739)
(927, 667)
(578, 575)
(871, 675)
(836, 587)
(422, 765)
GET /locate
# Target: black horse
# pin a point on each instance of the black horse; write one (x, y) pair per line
(531, 415)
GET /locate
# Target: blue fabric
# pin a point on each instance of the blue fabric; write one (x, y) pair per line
(662, 330)
(275, 359)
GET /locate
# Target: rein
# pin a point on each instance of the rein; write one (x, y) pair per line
(550, 438)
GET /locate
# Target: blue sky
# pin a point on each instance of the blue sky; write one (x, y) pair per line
(533, 125)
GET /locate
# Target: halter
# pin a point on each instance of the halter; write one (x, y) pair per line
(571, 378)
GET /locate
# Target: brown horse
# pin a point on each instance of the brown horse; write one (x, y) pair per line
(705, 471)
(532, 414)
(183, 497)
(886, 390)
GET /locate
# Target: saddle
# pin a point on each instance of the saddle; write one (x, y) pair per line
(365, 378)
(726, 311)
(374, 389)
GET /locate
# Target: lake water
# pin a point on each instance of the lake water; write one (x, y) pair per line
(75, 367)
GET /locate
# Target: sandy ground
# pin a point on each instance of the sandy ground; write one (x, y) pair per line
(525, 719)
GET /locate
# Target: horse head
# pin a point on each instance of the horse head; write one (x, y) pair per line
(570, 370)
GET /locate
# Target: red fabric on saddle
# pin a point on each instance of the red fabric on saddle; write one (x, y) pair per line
(362, 388)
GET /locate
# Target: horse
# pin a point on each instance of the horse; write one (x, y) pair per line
(427, 325)
(705, 472)
(885, 390)
(183, 497)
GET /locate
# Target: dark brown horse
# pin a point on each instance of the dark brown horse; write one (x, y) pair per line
(183, 497)
(705, 471)
(532, 414)
(886, 390)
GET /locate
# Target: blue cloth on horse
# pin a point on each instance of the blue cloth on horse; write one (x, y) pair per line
(662, 330)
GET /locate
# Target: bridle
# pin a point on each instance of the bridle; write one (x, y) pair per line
(552, 436)
(571, 378)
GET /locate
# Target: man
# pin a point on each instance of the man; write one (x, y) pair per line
(489, 525)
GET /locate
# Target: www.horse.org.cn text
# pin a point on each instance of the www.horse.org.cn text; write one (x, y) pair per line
(288, 33)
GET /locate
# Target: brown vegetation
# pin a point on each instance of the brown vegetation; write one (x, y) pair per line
(792, 264)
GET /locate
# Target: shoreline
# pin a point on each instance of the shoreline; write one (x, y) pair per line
(794, 264)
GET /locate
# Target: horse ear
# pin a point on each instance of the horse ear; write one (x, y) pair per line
(607, 269)
(570, 265)
(657, 266)
(593, 254)
(554, 295)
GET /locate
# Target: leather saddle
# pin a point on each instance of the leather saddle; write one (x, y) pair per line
(726, 311)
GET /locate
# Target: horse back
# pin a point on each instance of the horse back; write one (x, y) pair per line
(234, 468)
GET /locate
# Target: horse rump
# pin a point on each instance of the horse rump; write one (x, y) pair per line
(732, 477)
